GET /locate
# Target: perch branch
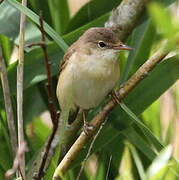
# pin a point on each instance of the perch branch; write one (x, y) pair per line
(20, 74)
(8, 105)
(126, 16)
(141, 73)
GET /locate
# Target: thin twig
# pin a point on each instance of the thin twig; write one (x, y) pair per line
(52, 108)
(36, 44)
(8, 105)
(141, 73)
(41, 170)
(89, 150)
(17, 162)
(20, 74)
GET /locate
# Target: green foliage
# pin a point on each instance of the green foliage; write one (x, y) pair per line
(90, 12)
(166, 24)
(142, 40)
(35, 18)
(60, 14)
(133, 131)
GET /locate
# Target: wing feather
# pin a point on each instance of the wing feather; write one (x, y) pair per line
(66, 57)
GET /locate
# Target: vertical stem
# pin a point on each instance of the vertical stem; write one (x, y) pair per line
(20, 72)
(8, 105)
(52, 108)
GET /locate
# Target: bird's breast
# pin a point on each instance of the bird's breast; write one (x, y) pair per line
(93, 79)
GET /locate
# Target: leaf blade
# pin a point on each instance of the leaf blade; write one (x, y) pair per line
(35, 18)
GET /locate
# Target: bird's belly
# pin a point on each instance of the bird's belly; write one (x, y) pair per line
(90, 89)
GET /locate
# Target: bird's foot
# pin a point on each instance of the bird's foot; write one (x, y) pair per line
(87, 128)
(114, 96)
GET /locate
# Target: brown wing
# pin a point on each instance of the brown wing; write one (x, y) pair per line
(66, 57)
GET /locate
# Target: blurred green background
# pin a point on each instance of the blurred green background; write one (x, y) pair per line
(139, 140)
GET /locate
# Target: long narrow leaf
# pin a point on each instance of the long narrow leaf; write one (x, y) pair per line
(60, 14)
(142, 40)
(139, 142)
(35, 18)
(138, 162)
(147, 91)
(91, 11)
(147, 132)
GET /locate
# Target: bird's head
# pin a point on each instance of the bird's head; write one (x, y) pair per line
(102, 41)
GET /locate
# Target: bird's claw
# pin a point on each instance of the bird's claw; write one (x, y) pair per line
(114, 96)
(87, 128)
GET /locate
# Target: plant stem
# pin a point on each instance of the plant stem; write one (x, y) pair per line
(8, 105)
(52, 108)
(20, 74)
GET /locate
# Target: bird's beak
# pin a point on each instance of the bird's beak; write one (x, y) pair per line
(122, 47)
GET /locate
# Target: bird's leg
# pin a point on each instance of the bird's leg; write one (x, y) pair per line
(73, 115)
(115, 97)
(87, 126)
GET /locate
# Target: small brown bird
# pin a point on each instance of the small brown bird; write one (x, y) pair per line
(90, 70)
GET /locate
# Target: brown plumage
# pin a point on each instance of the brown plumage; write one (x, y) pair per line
(90, 69)
(105, 34)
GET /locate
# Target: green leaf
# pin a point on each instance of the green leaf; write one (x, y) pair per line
(166, 2)
(52, 167)
(36, 142)
(6, 46)
(162, 19)
(11, 15)
(33, 104)
(37, 7)
(166, 24)
(32, 35)
(147, 132)
(151, 117)
(160, 162)
(60, 14)
(34, 69)
(11, 29)
(91, 11)
(147, 91)
(139, 142)
(40, 134)
(142, 41)
(141, 97)
(2, 172)
(138, 162)
(35, 18)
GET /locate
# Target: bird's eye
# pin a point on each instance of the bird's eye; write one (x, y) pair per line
(101, 44)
